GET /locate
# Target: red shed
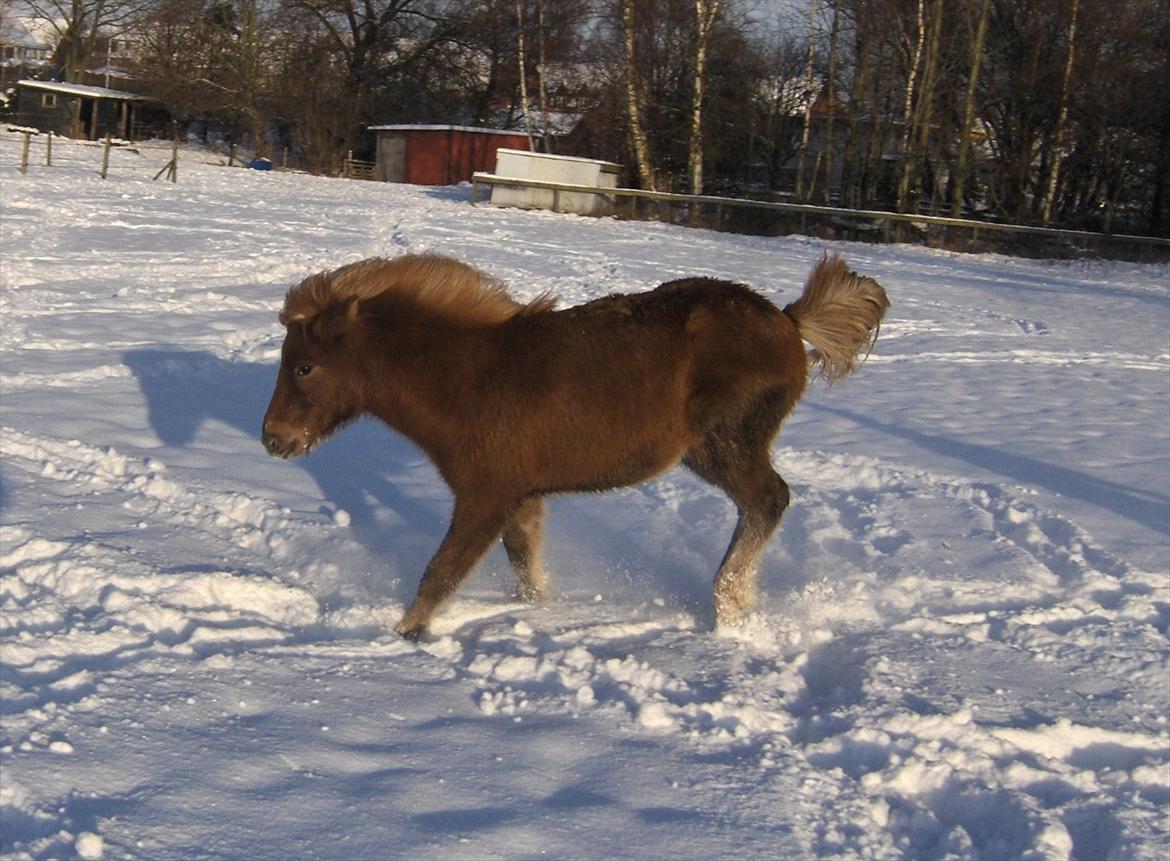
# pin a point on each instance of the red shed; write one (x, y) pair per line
(439, 155)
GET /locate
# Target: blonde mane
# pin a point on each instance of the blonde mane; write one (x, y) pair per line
(439, 284)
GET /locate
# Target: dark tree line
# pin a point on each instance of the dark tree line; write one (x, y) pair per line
(1039, 112)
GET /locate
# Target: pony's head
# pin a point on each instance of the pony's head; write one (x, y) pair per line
(320, 385)
(315, 391)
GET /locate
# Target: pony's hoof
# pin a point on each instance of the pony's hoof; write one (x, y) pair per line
(412, 633)
(730, 615)
(530, 595)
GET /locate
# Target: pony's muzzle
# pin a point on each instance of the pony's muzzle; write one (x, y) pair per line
(278, 446)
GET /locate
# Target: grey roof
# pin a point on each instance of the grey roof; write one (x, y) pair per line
(79, 90)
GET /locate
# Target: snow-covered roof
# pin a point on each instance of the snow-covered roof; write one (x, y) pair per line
(411, 127)
(30, 32)
(564, 158)
(78, 90)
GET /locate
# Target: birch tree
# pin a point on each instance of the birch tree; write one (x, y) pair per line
(1062, 116)
(908, 102)
(924, 114)
(541, 79)
(522, 62)
(968, 123)
(809, 83)
(636, 98)
(851, 166)
(830, 101)
(705, 14)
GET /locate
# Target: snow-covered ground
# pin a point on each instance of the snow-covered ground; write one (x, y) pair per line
(962, 650)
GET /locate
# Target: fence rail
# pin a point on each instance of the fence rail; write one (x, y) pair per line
(1158, 246)
(357, 168)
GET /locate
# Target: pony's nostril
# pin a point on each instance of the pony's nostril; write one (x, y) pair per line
(271, 443)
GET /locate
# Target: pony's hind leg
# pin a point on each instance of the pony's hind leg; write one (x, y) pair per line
(523, 540)
(735, 458)
(735, 582)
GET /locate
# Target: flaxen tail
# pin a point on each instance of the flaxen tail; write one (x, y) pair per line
(839, 314)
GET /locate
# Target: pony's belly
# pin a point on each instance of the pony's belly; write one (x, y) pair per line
(606, 467)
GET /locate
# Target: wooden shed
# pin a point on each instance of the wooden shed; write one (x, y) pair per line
(77, 110)
(438, 155)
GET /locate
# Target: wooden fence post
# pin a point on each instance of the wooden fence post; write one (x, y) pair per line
(49, 150)
(171, 168)
(106, 158)
(24, 152)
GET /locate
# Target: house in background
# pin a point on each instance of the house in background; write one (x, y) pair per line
(438, 154)
(78, 110)
(26, 47)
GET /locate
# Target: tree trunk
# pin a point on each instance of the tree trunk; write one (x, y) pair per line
(705, 12)
(635, 99)
(830, 116)
(808, 100)
(925, 110)
(878, 187)
(851, 167)
(1062, 118)
(541, 82)
(521, 58)
(908, 108)
(962, 168)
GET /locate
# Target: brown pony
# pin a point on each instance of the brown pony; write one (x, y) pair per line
(513, 402)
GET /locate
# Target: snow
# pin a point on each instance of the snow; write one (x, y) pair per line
(962, 650)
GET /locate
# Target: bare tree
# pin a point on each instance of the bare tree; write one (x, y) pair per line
(1062, 117)
(541, 78)
(977, 40)
(924, 113)
(219, 60)
(636, 98)
(374, 41)
(249, 61)
(522, 61)
(809, 92)
(81, 26)
(705, 13)
(908, 103)
(830, 101)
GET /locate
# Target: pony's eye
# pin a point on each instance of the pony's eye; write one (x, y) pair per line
(304, 370)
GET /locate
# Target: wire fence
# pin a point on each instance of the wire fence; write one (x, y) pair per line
(30, 150)
(740, 215)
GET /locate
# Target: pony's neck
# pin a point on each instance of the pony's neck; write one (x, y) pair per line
(422, 378)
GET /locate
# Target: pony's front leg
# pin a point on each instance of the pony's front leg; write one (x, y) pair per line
(523, 539)
(474, 526)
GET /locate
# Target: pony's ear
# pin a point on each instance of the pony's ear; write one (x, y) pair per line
(331, 325)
